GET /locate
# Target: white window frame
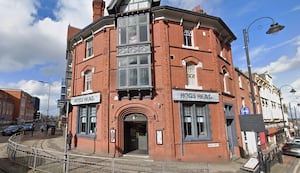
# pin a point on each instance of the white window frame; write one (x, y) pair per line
(88, 80)
(188, 37)
(194, 84)
(225, 81)
(89, 48)
(240, 81)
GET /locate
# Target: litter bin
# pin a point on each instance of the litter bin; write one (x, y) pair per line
(52, 130)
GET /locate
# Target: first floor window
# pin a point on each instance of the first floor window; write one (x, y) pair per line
(134, 71)
(195, 119)
(187, 37)
(87, 119)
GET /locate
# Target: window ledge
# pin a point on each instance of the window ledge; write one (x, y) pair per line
(190, 47)
(87, 58)
(193, 87)
(87, 92)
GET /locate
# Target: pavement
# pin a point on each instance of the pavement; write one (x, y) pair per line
(56, 142)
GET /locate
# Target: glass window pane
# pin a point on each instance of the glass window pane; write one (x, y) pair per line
(142, 18)
(132, 20)
(144, 76)
(187, 129)
(122, 36)
(122, 77)
(143, 33)
(122, 62)
(132, 60)
(132, 77)
(132, 34)
(144, 59)
(122, 21)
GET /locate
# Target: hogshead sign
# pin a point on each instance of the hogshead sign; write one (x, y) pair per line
(182, 95)
(86, 99)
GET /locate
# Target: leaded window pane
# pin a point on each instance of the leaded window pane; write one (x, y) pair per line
(144, 59)
(132, 34)
(132, 77)
(123, 77)
(144, 76)
(132, 60)
(122, 62)
(143, 33)
(122, 35)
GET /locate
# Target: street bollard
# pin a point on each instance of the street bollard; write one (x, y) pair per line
(279, 157)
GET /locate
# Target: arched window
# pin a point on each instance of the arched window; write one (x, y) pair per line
(225, 81)
(191, 74)
(88, 81)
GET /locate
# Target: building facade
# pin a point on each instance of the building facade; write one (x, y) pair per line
(6, 107)
(271, 108)
(154, 80)
(24, 108)
(252, 126)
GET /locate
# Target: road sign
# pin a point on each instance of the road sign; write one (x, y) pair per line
(244, 111)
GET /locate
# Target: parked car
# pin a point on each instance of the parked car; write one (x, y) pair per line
(296, 141)
(10, 130)
(28, 127)
(291, 149)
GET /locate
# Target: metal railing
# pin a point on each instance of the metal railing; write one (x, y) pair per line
(41, 160)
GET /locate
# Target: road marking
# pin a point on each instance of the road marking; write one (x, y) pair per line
(297, 166)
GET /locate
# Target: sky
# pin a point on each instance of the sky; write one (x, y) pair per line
(33, 45)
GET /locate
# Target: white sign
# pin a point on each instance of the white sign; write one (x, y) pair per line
(213, 145)
(86, 99)
(183, 95)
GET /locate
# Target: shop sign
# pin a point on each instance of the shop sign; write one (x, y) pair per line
(86, 99)
(182, 95)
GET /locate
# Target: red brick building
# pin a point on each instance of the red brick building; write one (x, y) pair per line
(154, 80)
(252, 126)
(6, 107)
(23, 105)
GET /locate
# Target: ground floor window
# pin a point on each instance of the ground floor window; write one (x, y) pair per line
(195, 121)
(87, 119)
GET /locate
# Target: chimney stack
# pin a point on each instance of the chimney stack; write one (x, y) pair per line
(198, 9)
(98, 9)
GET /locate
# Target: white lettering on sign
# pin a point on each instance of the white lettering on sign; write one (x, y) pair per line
(86, 99)
(182, 95)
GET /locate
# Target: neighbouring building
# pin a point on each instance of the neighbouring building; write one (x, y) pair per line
(154, 80)
(271, 108)
(252, 126)
(24, 108)
(6, 107)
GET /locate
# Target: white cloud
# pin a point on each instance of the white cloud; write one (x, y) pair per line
(284, 63)
(30, 42)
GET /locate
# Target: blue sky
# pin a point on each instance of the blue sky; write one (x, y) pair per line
(33, 42)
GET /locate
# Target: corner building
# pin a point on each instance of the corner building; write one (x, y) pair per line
(156, 81)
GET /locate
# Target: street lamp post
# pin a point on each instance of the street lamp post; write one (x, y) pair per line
(49, 89)
(275, 27)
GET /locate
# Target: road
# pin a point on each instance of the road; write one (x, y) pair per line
(290, 164)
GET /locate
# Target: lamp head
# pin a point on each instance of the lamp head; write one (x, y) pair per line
(293, 90)
(275, 27)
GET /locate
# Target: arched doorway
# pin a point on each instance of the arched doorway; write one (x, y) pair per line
(135, 134)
